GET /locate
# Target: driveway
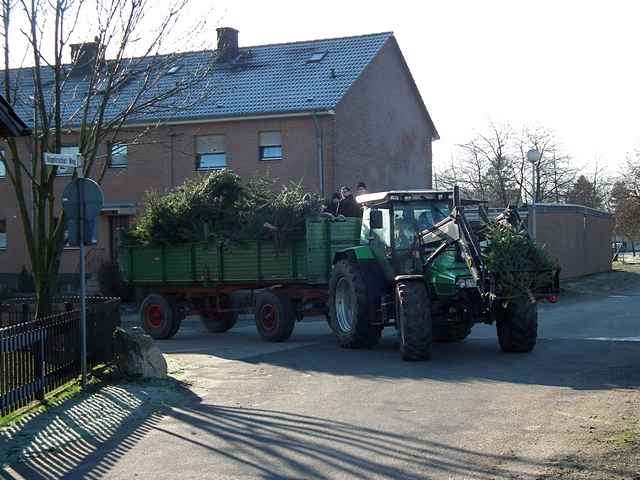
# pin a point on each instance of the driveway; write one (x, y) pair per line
(308, 409)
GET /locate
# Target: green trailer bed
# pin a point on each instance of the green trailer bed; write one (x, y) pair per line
(302, 261)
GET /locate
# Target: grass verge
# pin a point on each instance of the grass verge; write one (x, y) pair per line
(98, 375)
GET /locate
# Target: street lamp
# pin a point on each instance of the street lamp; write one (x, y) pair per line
(533, 156)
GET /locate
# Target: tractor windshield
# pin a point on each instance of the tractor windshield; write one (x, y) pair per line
(412, 217)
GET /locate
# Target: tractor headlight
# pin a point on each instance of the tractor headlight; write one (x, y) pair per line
(466, 283)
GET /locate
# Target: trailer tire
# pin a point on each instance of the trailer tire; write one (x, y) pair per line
(219, 322)
(180, 315)
(349, 314)
(517, 326)
(159, 316)
(451, 333)
(413, 312)
(275, 316)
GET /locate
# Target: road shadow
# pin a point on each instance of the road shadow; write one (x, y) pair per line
(573, 363)
(260, 443)
(85, 436)
(563, 362)
(275, 444)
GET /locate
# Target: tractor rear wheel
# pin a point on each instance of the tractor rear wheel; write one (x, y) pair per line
(517, 326)
(160, 316)
(275, 316)
(349, 308)
(413, 314)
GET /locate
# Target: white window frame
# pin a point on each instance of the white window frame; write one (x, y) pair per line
(119, 147)
(264, 143)
(219, 153)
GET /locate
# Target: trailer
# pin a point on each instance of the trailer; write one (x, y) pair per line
(278, 283)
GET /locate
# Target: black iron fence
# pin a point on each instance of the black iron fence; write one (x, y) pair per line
(40, 355)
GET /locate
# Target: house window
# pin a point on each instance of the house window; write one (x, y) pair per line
(118, 155)
(270, 146)
(3, 170)
(210, 152)
(3, 233)
(67, 171)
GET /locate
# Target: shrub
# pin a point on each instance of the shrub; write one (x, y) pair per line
(25, 282)
(110, 282)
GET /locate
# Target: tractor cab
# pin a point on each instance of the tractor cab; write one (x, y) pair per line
(392, 221)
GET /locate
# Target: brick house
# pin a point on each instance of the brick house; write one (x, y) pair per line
(324, 112)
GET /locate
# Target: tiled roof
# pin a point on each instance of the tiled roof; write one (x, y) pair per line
(266, 79)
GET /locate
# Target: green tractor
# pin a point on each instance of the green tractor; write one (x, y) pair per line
(420, 269)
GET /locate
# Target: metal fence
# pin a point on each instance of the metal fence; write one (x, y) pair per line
(40, 355)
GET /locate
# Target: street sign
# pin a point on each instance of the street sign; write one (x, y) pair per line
(82, 202)
(61, 159)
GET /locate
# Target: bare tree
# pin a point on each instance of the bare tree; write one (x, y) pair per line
(493, 166)
(95, 108)
(554, 175)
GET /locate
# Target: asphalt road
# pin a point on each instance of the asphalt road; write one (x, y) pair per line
(308, 409)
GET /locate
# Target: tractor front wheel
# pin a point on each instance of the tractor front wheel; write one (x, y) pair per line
(413, 314)
(160, 316)
(349, 314)
(517, 326)
(275, 316)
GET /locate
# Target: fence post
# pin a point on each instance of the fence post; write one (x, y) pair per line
(39, 361)
(25, 312)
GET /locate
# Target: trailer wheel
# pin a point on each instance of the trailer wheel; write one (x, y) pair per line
(413, 311)
(275, 316)
(218, 322)
(159, 316)
(180, 314)
(517, 326)
(349, 314)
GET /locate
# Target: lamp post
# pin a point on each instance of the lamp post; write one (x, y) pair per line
(533, 156)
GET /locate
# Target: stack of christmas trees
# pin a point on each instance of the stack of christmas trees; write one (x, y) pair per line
(227, 209)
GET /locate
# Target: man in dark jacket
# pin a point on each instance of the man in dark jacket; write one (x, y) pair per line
(348, 205)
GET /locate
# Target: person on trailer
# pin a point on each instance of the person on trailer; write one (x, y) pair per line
(332, 204)
(348, 206)
(361, 189)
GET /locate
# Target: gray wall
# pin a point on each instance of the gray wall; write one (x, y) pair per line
(382, 131)
(579, 238)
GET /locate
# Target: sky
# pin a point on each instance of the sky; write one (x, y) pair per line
(571, 66)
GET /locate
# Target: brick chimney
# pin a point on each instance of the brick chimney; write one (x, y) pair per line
(84, 56)
(227, 44)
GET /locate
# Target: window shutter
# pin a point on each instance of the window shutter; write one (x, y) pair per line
(270, 139)
(210, 144)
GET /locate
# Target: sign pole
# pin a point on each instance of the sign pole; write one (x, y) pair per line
(83, 281)
(82, 201)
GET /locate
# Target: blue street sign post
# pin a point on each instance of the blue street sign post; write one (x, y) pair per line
(82, 202)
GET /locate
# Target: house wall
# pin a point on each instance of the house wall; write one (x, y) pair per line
(164, 157)
(382, 132)
(578, 238)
